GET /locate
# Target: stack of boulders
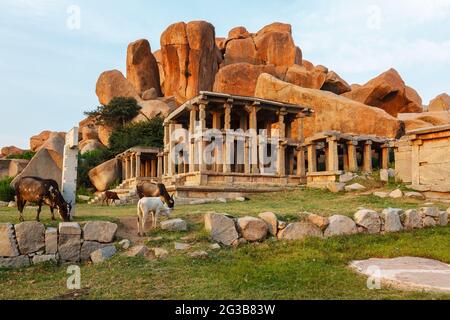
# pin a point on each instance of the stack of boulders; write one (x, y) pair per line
(231, 231)
(29, 243)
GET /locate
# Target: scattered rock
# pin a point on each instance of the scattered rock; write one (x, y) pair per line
(84, 198)
(340, 225)
(199, 255)
(240, 199)
(15, 262)
(8, 243)
(103, 254)
(430, 212)
(45, 258)
(125, 244)
(396, 194)
(355, 187)
(51, 240)
(138, 251)
(252, 229)
(215, 246)
(12, 204)
(222, 228)
(3, 204)
(300, 231)
(336, 187)
(282, 225)
(347, 177)
(319, 221)
(443, 219)
(89, 247)
(391, 220)
(429, 222)
(174, 225)
(100, 231)
(411, 219)
(382, 195)
(384, 175)
(271, 220)
(369, 219)
(182, 246)
(415, 195)
(161, 253)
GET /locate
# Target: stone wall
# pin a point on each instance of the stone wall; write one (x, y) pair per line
(231, 231)
(29, 243)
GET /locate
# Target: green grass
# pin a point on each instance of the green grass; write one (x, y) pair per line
(310, 269)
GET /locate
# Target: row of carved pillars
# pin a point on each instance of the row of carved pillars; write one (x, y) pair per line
(133, 166)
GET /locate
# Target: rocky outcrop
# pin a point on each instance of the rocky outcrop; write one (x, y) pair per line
(152, 108)
(301, 76)
(334, 83)
(90, 145)
(37, 141)
(189, 59)
(113, 84)
(12, 167)
(11, 151)
(47, 163)
(142, 68)
(388, 92)
(415, 121)
(331, 112)
(440, 103)
(105, 174)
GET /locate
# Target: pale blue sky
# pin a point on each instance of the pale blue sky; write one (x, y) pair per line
(48, 72)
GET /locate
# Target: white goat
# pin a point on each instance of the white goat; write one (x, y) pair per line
(155, 206)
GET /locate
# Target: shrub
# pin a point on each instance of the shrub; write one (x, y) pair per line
(6, 192)
(145, 134)
(116, 113)
(27, 155)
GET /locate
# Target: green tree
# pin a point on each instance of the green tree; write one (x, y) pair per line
(27, 155)
(116, 113)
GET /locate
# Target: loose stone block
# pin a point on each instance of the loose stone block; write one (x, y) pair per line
(222, 228)
(99, 231)
(300, 231)
(355, 187)
(384, 175)
(30, 236)
(45, 258)
(69, 247)
(69, 228)
(125, 244)
(415, 195)
(252, 229)
(391, 220)
(271, 220)
(368, 219)
(182, 246)
(443, 219)
(429, 222)
(161, 253)
(88, 247)
(103, 254)
(412, 219)
(382, 195)
(340, 225)
(430, 212)
(336, 187)
(8, 243)
(396, 194)
(138, 251)
(15, 262)
(319, 221)
(199, 255)
(51, 241)
(174, 225)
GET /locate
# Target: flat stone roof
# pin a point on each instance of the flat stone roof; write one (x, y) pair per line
(346, 136)
(432, 129)
(138, 149)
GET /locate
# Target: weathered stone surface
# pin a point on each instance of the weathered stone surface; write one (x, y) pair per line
(38, 140)
(332, 112)
(160, 253)
(408, 273)
(182, 246)
(150, 94)
(88, 247)
(69, 228)
(414, 195)
(355, 187)
(384, 175)
(48, 161)
(30, 236)
(336, 187)
(103, 254)
(222, 228)
(388, 92)
(8, 243)
(411, 219)
(271, 220)
(241, 78)
(252, 229)
(215, 246)
(142, 68)
(443, 219)
(11, 151)
(396, 194)
(15, 262)
(90, 145)
(319, 221)
(391, 220)
(302, 77)
(104, 133)
(174, 225)
(368, 219)
(105, 174)
(276, 48)
(113, 84)
(414, 121)
(189, 59)
(334, 83)
(381, 194)
(45, 258)
(440, 103)
(430, 212)
(429, 222)
(340, 225)
(100, 231)
(125, 244)
(241, 51)
(3, 204)
(138, 251)
(300, 231)
(69, 247)
(199, 255)
(347, 177)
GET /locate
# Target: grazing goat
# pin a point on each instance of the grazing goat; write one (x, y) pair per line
(155, 206)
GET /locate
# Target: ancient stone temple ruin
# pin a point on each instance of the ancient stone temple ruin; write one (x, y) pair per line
(224, 144)
(330, 154)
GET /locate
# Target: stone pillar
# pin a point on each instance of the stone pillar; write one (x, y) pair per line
(133, 165)
(312, 158)
(69, 170)
(345, 158)
(352, 157)
(301, 170)
(415, 162)
(333, 156)
(281, 154)
(160, 166)
(153, 168)
(247, 167)
(385, 157)
(126, 167)
(367, 158)
(172, 157)
(201, 142)
(217, 152)
(228, 144)
(192, 121)
(253, 143)
(167, 139)
(138, 165)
